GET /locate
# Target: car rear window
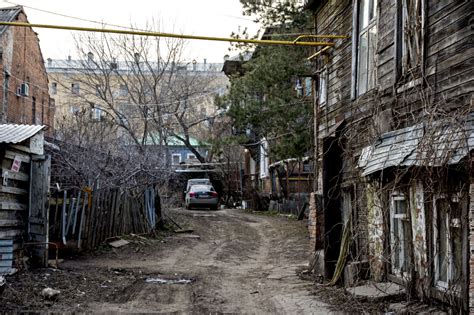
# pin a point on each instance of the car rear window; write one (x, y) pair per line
(201, 188)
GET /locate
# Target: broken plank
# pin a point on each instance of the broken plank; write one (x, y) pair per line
(13, 190)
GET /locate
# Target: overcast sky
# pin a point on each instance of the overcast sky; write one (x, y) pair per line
(196, 17)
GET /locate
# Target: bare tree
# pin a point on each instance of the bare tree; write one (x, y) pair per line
(146, 89)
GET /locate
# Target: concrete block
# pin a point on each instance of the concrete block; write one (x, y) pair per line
(376, 291)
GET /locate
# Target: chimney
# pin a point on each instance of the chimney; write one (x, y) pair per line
(69, 58)
(50, 62)
(90, 56)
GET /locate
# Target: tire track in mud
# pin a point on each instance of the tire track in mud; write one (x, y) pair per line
(242, 263)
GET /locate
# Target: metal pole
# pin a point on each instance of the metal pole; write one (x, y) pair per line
(171, 35)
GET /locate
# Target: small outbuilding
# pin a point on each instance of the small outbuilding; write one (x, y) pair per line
(24, 186)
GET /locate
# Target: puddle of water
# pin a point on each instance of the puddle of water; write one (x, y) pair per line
(168, 281)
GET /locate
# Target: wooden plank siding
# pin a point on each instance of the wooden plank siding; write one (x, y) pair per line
(14, 188)
(447, 85)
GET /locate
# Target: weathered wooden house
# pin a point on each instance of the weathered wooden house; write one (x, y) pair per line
(394, 135)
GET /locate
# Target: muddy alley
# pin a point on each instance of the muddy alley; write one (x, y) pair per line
(232, 262)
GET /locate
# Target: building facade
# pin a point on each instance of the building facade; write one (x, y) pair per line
(130, 100)
(24, 90)
(394, 136)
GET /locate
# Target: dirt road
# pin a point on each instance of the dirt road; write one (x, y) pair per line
(237, 262)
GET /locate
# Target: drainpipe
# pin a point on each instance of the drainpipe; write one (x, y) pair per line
(6, 79)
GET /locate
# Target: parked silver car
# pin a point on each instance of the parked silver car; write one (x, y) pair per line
(203, 196)
(197, 181)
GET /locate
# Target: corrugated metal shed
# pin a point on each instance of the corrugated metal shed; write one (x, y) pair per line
(436, 144)
(11, 133)
(8, 15)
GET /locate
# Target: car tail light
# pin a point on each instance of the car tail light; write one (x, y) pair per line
(213, 194)
(191, 194)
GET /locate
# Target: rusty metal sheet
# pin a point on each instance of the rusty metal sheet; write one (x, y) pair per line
(442, 143)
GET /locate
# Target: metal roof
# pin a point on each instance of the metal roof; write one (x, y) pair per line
(8, 15)
(11, 133)
(435, 144)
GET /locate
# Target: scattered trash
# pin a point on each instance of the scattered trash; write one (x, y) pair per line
(49, 293)
(169, 281)
(119, 243)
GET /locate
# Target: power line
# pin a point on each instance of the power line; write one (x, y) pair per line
(71, 17)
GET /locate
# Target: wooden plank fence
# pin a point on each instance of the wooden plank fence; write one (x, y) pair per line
(87, 218)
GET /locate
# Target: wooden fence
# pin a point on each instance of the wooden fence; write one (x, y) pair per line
(86, 218)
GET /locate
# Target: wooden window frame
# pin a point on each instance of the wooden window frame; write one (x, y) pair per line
(403, 257)
(400, 71)
(356, 33)
(450, 268)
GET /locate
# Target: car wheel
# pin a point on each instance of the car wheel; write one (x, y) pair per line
(214, 207)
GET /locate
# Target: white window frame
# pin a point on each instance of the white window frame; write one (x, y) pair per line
(191, 156)
(264, 160)
(172, 158)
(97, 113)
(402, 257)
(323, 87)
(450, 222)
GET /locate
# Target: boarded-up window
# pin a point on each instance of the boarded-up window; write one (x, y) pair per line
(447, 242)
(410, 35)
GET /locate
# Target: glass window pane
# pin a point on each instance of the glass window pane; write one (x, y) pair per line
(363, 51)
(322, 88)
(396, 244)
(405, 244)
(371, 56)
(457, 254)
(373, 9)
(363, 14)
(308, 82)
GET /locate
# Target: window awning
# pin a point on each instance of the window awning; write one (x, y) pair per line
(431, 144)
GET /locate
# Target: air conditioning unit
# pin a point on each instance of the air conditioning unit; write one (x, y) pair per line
(24, 89)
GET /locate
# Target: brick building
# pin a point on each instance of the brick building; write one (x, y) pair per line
(24, 83)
